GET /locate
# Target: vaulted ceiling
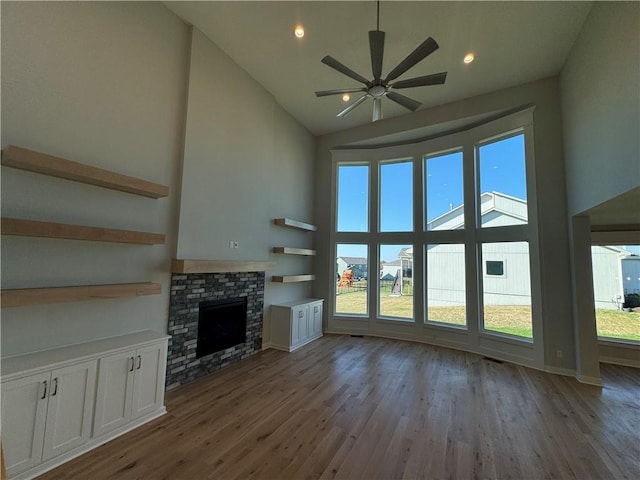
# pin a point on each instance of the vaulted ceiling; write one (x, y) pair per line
(513, 42)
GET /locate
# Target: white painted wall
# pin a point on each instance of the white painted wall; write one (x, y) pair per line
(246, 162)
(600, 91)
(600, 86)
(102, 84)
(108, 84)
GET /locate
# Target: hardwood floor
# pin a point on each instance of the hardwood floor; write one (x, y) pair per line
(371, 408)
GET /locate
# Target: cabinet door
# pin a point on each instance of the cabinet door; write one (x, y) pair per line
(148, 385)
(114, 392)
(70, 410)
(315, 319)
(24, 413)
(300, 327)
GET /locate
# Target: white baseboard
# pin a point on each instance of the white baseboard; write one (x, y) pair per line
(596, 381)
(620, 361)
(567, 372)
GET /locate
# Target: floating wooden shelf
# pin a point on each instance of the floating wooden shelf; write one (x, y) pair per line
(287, 222)
(292, 278)
(294, 251)
(41, 296)
(18, 157)
(219, 266)
(32, 228)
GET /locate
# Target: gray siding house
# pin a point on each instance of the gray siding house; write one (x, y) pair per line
(505, 266)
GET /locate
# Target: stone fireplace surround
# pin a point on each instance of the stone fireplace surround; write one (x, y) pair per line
(187, 291)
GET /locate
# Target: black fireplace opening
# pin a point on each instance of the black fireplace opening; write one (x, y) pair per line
(221, 324)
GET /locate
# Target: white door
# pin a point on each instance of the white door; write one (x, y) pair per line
(24, 412)
(316, 319)
(114, 392)
(70, 410)
(148, 385)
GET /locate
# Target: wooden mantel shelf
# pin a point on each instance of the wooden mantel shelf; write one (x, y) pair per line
(287, 222)
(294, 251)
(292, 278)
(219, 266)
(33, 228)
(42, 296)
(24, 159)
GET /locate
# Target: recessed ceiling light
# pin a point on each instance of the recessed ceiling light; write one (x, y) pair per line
(468, 58)
(346, 97)
(298, 31)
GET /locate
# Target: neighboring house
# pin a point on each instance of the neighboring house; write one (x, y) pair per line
(631, 274)
(608, 290)
(357, 264)
(506, 274)
(389, 270)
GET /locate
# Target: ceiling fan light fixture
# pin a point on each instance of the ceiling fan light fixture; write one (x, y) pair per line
(346, 97)
(298, 31)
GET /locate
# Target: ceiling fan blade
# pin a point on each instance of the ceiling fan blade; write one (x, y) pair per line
(325, 93)
(377, 109)
(421, 52)
(336, 65)
(435, 79)
(376, 45)
(352, 106)
(404, 101)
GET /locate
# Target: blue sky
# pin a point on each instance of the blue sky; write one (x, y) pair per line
(502, 169)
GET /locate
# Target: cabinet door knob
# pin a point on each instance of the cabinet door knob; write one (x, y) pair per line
(44, 395)
(55, 387)
(139, 362)
(133, 362)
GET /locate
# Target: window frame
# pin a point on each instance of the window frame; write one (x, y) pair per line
(474, 338)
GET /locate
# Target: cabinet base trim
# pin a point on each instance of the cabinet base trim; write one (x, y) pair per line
(286, 348)
(92, 444)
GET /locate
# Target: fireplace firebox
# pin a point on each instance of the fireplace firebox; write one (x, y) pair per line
(222, 324)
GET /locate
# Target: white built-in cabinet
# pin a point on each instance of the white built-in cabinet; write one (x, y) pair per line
(131, 384)
(60, 403)
(47, 414)
(294, 324)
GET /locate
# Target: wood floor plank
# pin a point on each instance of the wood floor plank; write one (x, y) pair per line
(373, 408)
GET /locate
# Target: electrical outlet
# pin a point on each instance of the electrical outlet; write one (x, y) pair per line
(559, 353)
(233, 243)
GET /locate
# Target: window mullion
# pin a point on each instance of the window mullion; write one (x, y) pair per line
(471, 220)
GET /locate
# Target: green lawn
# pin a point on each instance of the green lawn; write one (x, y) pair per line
(509, 319)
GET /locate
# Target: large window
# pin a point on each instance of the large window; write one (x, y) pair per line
(446, 289)
(444, 194)
(396, 281)
(352, 277)
(503, 186)
(396, 197)
(353, 198)
(446, 230)
(506, 288)
(616, 289)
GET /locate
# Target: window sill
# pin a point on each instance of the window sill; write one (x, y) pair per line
(619, 342)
